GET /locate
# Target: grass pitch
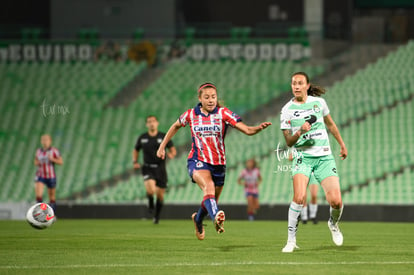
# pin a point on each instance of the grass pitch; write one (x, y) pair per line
(139, 247)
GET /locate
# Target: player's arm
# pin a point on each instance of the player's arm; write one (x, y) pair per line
(292, 139)
(240, 180)
(330, 124)
(36, 162)
(259, 179)
(56, 159)
(171, 152)
(168, 136)
(251, 130)
(135, 154)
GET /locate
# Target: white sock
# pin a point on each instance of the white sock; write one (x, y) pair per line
(313, 210)
(335, 214)
(304, 214)
(294, 212)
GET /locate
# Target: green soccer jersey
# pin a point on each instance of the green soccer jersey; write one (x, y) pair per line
(314, 143)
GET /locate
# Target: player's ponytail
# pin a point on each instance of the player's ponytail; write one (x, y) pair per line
(314, 90)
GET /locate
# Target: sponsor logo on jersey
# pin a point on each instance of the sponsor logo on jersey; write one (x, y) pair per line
(302, 113)
(213, 128)
(144, 140)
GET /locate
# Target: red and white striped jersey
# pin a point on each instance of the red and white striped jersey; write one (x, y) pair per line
(46, 168)
(208, 132)
(251, 179)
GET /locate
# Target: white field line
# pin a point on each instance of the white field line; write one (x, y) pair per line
(158, 265)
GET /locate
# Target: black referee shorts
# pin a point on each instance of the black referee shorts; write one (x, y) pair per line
(159, 174)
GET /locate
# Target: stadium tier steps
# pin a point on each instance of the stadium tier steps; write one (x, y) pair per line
(380, 84)
(379, 145)
(65, 100)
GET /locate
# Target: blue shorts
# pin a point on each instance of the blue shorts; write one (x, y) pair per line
(254, 195)
(218, 172)
(50, 183)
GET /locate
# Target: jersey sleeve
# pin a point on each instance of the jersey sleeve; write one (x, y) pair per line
(55, 153)
(230, 117)
(325, 107)
(184, 119)
(138, 144)
(285, 120)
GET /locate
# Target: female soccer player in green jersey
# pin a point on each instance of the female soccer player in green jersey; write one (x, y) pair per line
(304, 120)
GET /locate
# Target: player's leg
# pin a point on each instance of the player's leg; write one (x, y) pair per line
(333, 196)
(301, 172)
(52, 197)
(300, 182)
(150, 185)
(204, 179)
(326, 174)
(39, 188)
(51, 190)
(160, 191)
(250, 207)
(205, 182)
(256, 203)
(313, 204)
(304, 212)
(161, 186)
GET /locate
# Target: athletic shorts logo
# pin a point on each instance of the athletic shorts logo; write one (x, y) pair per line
(334, 170)
(199, 164)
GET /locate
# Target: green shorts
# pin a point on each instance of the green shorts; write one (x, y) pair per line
(312, 179)
(322, 167)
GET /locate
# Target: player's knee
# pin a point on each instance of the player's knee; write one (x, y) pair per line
(299, 198)
(336, 203)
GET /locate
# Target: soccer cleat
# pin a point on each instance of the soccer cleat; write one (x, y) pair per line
(314, 220)
(289, 247)
(219, 221)
(199, 229)
(155, 220)
(337, 237)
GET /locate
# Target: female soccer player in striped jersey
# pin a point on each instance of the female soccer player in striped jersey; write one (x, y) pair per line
(45, 159)
(304, 120)
(207, 160)
(250, 177)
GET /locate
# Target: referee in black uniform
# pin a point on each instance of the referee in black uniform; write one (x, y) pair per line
(153, 170)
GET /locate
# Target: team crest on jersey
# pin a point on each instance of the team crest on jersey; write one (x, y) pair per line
(316, 108)
(159, 140)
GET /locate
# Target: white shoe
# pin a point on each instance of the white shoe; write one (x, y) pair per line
(289, 247)
(337, 237)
